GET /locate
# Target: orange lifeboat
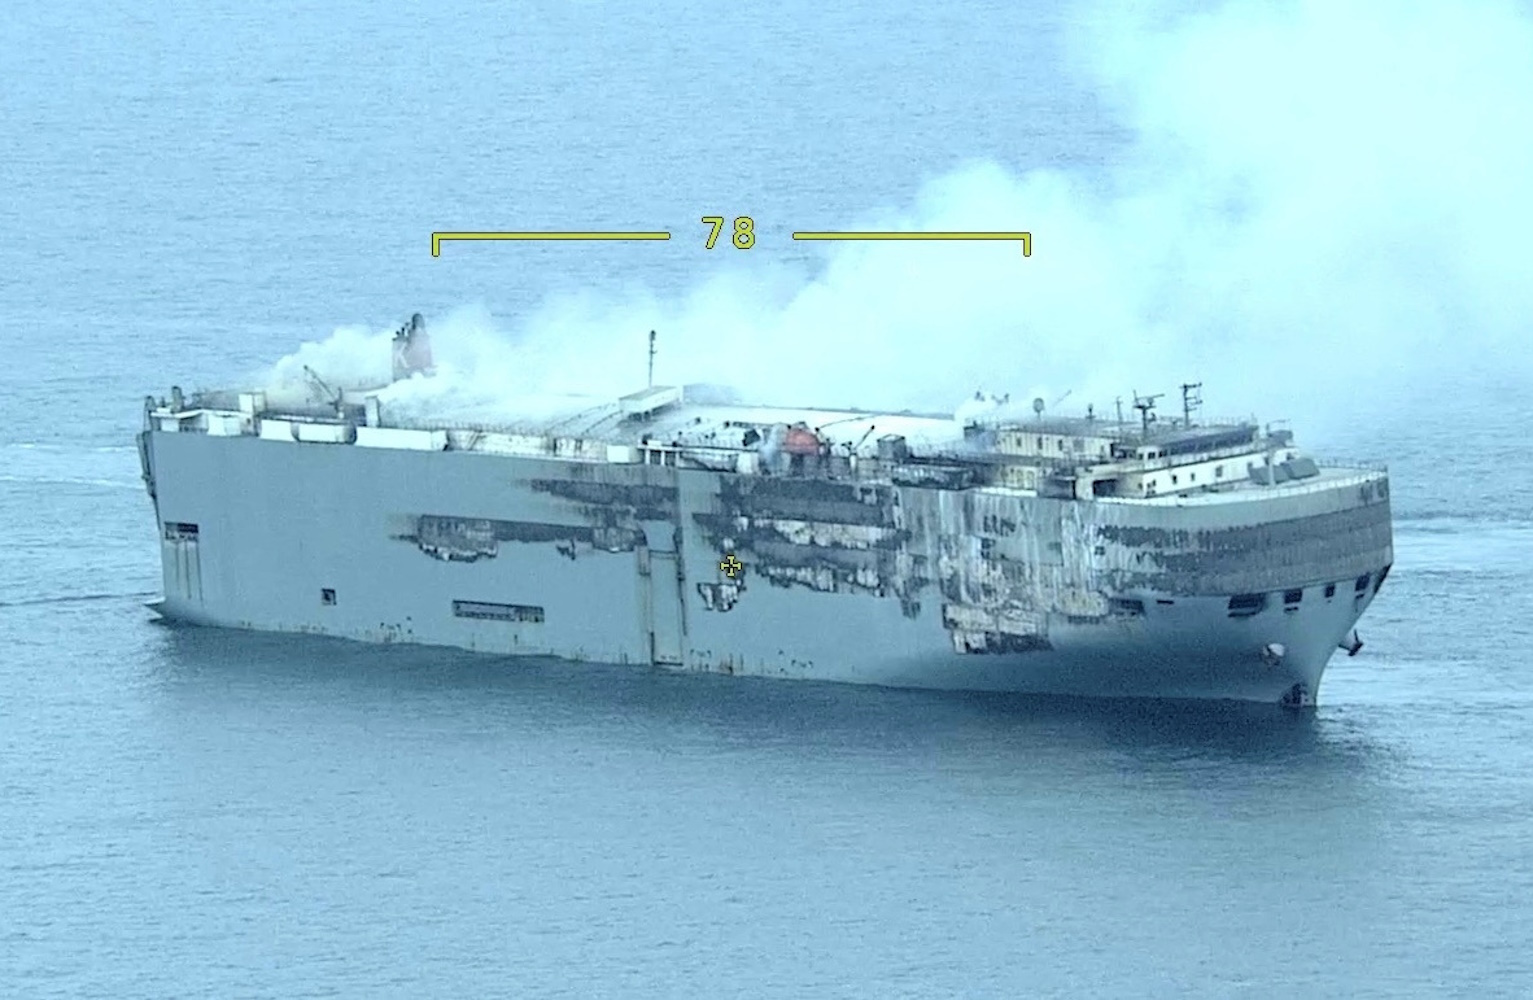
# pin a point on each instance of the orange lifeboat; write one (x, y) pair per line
(800, 440)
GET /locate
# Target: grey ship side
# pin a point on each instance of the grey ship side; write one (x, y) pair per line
(1071, 556)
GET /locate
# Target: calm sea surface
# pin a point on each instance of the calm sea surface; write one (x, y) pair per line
(191, 813)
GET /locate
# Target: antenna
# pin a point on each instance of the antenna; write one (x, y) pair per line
(1192, 398)
(1146, 407)
(651, 383)
(1118, 401)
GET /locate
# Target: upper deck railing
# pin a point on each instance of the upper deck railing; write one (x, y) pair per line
(1257, 492)
(1333, 462)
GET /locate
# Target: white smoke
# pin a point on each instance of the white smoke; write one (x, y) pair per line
(1322, 202)
(351, 356)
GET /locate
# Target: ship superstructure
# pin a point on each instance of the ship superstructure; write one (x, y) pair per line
(677, 528)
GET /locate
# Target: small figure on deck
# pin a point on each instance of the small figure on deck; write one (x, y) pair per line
(412, 349)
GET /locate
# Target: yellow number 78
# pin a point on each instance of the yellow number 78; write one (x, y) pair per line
(744, 236)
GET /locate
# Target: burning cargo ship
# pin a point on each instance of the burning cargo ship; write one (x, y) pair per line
(673, 527)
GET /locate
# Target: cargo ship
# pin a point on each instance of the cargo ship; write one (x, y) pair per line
(678, 528)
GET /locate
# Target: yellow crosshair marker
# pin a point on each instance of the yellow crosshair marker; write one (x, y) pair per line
(437, 239)
(731, 566)
(1026, 239)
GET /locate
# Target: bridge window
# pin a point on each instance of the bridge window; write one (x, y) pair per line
(1293, 596)
(1330, 591)
(327, 596)
(1362, 583)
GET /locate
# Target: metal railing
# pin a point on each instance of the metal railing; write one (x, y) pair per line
(1253, 492)
(1333, 462)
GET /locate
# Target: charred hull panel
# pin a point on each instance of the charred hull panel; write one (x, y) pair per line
(977, 588)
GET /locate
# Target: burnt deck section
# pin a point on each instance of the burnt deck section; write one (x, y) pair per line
(600, 498)
(1299, 551)
(868, 504)
(823, 535)
(994, 563)
(469, 539)
(603, 516)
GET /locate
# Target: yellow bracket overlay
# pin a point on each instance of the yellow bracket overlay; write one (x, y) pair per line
(437, 239)
(1026, 239)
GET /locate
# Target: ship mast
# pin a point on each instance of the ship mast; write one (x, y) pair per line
(1192, 398)
(1146, 407)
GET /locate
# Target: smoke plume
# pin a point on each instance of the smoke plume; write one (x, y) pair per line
(1322, 204)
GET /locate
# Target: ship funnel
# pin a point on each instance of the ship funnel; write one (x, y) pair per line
(412, 349)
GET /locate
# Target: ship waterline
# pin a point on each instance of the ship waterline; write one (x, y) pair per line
(1064, 557)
